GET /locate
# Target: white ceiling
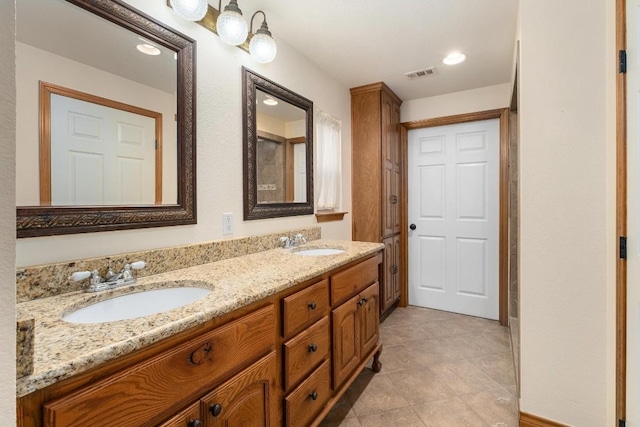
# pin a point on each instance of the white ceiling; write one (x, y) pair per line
(366, 41)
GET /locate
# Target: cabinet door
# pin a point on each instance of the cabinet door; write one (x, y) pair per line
(369, 318)
(396, 169)
(246, 400)
(189, 417)
(346, 340)
(397, 275)
(388, 160)
(387, 285)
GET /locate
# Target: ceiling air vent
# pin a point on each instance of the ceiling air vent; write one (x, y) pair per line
(421, 73)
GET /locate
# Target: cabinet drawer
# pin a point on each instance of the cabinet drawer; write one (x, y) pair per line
(305, 307)
(140, 394)
(305, 352)
(308, 399)
(351, 281)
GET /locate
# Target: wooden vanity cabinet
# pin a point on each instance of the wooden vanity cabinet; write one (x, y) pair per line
(279, 361)
(377, 179)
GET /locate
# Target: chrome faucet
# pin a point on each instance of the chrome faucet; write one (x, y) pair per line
(288, 242)
(112, 280)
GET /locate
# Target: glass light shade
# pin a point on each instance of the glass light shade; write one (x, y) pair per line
(232, 28)
(454, 58)
(262, 48)
(191, 10)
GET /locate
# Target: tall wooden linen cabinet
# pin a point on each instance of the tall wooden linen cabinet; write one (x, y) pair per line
(377, 180)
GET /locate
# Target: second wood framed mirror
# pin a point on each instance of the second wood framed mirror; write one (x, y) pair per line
(277, 151)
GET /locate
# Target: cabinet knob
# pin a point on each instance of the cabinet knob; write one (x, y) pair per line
(395, 269)
(312, 305)
(313, 395)
(394, 200)
(215, 409)
(195, 423)
(412, 226)
(313, 348)
(364, 301)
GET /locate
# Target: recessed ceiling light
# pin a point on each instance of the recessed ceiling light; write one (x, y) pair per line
(270, 102)
(148, 49)
(454, 58)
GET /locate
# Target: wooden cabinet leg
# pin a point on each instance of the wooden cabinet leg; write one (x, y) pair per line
(376, 366)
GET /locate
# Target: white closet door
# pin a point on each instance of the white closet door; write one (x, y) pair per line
(100, 155)
(454, 205)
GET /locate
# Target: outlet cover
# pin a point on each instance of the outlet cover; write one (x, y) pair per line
(227, 223)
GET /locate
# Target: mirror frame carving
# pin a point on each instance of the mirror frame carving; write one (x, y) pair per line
(252, 209)
(34, 221)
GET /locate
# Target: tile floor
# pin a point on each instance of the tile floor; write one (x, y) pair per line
(438, 369)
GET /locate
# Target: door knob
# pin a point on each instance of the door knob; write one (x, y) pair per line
(412, 226)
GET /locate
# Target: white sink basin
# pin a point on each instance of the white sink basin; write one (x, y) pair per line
(136, 305)
(318, 252)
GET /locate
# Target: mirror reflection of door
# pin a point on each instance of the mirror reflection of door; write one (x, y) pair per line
(95, 151)
(280, 152)
(101, 155)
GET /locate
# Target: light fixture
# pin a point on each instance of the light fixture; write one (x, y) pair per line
(270, 101)
(148, 49)
(191, 10)
(232, 28)
(262, 46)
(454, 58)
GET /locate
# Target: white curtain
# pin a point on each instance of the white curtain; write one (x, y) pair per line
(329, 162)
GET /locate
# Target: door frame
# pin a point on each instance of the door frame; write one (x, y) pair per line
(503, 226)
(621, 216)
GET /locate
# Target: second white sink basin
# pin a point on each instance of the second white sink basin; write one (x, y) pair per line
(318, 252)
(136, 305)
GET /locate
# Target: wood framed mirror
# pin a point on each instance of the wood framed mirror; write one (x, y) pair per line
(69, 192)
(277, 150)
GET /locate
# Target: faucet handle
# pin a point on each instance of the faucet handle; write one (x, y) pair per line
(286, 241)
(79, 275)
(138, 265)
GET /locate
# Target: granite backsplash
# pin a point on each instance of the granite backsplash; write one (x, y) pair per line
(53, 279)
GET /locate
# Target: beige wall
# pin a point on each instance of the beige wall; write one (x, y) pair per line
(567, 240)
(219, 149)
(468, 101)
(7, 215)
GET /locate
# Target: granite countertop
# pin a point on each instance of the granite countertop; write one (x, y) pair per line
(63, 349)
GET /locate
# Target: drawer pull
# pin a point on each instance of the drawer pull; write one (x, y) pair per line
(312, 305)
(201, 354)
(313, 348)
(215, 409)
(195, 423)
(313, 395)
